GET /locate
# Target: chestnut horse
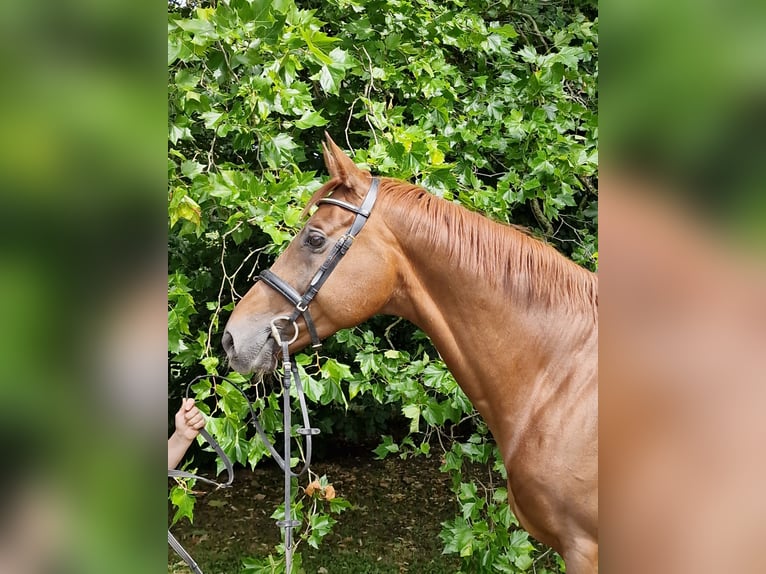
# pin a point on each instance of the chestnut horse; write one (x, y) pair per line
(514, 320)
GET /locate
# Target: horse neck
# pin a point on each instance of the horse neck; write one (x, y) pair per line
(497, 342)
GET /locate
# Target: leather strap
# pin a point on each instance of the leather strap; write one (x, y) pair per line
(285, 289)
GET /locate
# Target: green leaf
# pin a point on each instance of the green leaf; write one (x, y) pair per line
(178, 133)
(184, 504)
(462, 538)
(310, 119)
(277, 150)
(412, 412)
(278, 236)
(312, 387)
(321, 524)
(211, 118)
(336, 371)
(357, 387)
(523, 561)
(330, 79)
(506, 31)
(452, 461)
(338, 505)
(191, 169)
(388, 446)
(187, 209)
(198, 27)
(340, 58)
(186, 79)
(492, 43)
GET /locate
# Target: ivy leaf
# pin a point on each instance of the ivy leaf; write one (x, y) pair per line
(178, 133)
(336, 371)
(330, 78)
(187, 209)
(277, 150)
(186, 79)
(191, 169)
(528, 54)
(340, 58)
(461, 538)
(412, 412)
(321, 524)
(310, 119)
(357, 387)
(184, 503)
(492, 43)
(211, 118)
(338, 505)
(506, 31)
(197, 27)
(312, 387)
(174, 49)
(388, 446)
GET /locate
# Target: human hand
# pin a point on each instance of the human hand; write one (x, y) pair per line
(189, 420)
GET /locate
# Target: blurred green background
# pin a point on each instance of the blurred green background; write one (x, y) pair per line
(83, 110)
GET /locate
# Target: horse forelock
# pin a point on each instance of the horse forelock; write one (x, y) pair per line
(504, 256)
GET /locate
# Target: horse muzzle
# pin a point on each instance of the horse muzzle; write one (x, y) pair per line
(250, 351)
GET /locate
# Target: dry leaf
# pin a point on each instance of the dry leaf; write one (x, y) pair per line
(313, 487)
(329, 492)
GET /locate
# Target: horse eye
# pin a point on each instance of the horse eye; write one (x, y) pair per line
(315, 241)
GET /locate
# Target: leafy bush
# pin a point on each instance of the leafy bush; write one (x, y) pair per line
(492, 105)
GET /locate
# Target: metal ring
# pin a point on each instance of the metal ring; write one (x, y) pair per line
(275, 332)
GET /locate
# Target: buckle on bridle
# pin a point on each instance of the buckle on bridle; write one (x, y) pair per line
(347, 238)
(275, 331)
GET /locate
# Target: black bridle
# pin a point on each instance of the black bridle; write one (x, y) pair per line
(302, 302)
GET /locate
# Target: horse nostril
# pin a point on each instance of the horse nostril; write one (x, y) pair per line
(227, 342)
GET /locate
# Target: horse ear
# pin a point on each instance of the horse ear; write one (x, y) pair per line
(342, 168)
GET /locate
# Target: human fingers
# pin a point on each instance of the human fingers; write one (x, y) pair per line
(191, 413)
(200, 423)
(197, 421)
(188, 404)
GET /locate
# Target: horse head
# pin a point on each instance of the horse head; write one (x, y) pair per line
(356, 287)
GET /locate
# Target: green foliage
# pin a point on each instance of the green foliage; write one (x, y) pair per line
(183, 502)
(493, 105)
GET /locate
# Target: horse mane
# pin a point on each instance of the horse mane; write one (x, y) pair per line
(505, 256)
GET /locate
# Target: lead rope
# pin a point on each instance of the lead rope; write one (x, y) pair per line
(290, 375)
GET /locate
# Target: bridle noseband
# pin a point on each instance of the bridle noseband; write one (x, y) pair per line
(302, 302)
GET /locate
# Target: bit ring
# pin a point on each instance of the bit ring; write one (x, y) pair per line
(275, 331)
